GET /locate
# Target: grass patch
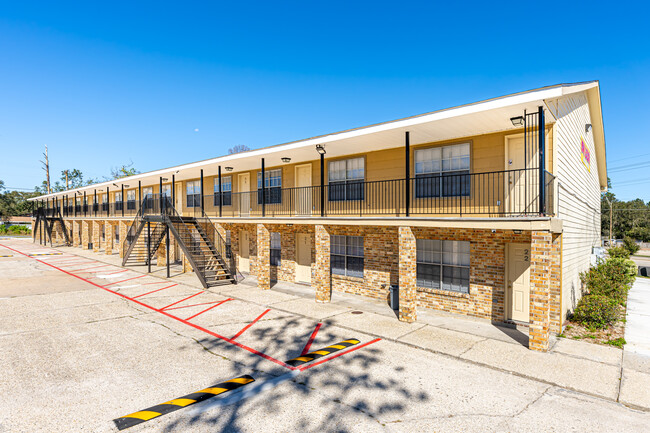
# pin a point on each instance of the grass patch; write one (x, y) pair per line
(617, 342)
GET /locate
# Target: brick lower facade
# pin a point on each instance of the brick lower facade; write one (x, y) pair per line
(390, 255)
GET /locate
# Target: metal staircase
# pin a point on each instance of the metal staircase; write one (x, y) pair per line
(204, 248)
(48, 219)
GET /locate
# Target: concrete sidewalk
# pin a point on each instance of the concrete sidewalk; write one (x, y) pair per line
(574, 365)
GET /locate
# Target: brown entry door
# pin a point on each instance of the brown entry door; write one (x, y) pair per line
(303, 258)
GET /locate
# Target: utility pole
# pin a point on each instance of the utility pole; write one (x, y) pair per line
(610, 222)
(66, 180)
(46, 167)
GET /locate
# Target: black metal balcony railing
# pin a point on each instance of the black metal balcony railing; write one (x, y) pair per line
(491, 194)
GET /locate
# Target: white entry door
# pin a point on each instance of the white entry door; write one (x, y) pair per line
(518, 282)
(303, 258)
(521, 184)
(245, 196)
(303, 190)
(244, 260)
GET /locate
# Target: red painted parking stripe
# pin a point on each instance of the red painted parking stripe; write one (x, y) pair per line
(178, 302)
(308, 366)
(200, 328)
(128, 279)
(92, 267)
(208, 309)
(245, 328)
(196, 305)
(154, 291)
(311, 340)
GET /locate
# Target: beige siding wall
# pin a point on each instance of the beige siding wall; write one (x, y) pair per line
(578, 193)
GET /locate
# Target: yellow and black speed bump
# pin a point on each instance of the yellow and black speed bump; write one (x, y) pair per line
(321, 352)
(45, 254)
(7, 255)
(179, 403)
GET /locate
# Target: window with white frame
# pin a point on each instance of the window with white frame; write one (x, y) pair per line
(130, 199)
(276, 249)
(147, 194)
(347, 255)
(442, 171)
(443, 265)
(193, 190)
(118, 201)
(223, 195)
(345, 178)
(272, 184)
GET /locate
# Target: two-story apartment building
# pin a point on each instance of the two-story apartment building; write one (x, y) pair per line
(488, 210)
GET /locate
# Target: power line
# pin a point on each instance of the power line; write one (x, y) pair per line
(628, 158)
(634, 166)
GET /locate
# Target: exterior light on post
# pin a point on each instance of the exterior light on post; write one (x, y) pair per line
(517, 121)
(321, 151)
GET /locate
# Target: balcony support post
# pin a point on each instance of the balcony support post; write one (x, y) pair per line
(85, 204)
(161, 195)
(95, 204)
(122, 204)
(263, 190)
(108, 202)
(174, 190)
(542, 163)
(220, 194)
(139, 194)
(322, 185)
(407, 174)
(202, 201)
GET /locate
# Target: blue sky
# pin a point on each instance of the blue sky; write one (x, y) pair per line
(106, 83)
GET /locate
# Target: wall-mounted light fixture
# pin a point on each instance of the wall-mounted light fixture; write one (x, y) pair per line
(320, 149)
(125, 185)
(517, 232)
(286, 159)
(115, 185)
(517, 121)
(587, 127)
(164, 179)
(228, 168)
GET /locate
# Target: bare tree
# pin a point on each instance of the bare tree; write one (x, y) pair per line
(238, 148)
(46, 167)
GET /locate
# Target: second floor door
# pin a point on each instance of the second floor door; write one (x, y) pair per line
(303, 190)
(244, 194)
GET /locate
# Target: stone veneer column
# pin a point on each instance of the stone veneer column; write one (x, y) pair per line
(122, 229)
(161, 254)
(540, 265)
(75, 234)
(97, 235)
(556, 313)
(407, 275)
(85, 234)
(263, 257)
(109, 229)
(322, 274)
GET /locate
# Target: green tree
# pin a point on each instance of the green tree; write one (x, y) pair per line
(125, 170)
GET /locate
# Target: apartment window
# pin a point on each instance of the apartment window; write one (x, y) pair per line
(443, 265)
(193, 189)
(226, 191)
(347, 255)
(273, 185)
(130, 199)
(228, 244)
(276, 248)
(118, 201)
(346, 179)
(147, 194)
(442, 171)
(105, 202)
(116, 234)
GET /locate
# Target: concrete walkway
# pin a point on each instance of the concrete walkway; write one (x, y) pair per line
(591, 369)
(637, 327)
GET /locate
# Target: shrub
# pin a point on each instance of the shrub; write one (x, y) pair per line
(619, 252)
(596, 311)
(630, 245)
(612, 278)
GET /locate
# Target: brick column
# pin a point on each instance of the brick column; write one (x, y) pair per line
(322, 274)
(85, 233)
(108, 244)
(263, 257)
(407, 275)
(68, 227)
(123, 227)
(540, 265)
(556, 284)
(75, 234)
(97, 234)
(161, 254)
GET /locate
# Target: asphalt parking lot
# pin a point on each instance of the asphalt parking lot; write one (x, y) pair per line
(84, 343)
